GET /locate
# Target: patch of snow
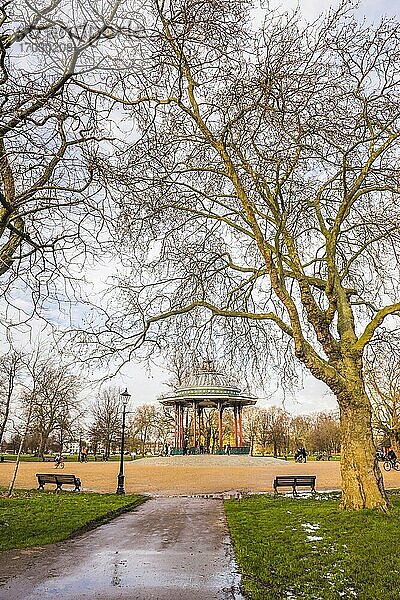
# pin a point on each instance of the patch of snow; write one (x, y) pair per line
(310, 527)
(350, 592)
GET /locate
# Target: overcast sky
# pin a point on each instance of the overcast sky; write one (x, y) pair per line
(372, 9)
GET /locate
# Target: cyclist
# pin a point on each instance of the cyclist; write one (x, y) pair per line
(391, 455)
(59, 460)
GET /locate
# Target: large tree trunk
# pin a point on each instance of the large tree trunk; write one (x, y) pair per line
(275, 449)
(362, 481)
(41, 448)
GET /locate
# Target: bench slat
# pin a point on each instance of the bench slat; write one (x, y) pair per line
(65, 478)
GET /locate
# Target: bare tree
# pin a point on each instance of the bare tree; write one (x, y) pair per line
(300, 427)
(383, 384)
(22, 438)
(106, 413)
(262, 197)
(250, 426)
(143, 423)
(272, 429)
(164, 424)
(24, 422)
(325, 433)
(11, 366)
(52, 209)
(210, 429)
(53, 402)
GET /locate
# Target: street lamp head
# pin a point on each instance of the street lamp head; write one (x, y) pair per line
(125, 396)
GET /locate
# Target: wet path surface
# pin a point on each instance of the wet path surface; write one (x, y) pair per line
(166, 549)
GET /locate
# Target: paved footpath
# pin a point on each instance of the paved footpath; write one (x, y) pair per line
(166, 549)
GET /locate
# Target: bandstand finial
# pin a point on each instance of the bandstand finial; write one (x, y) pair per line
(208, 365)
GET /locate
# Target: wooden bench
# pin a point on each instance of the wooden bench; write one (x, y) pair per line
(295, 481)
(48, 459)
(59, 480)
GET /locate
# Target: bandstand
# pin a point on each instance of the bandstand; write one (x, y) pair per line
(207, 389)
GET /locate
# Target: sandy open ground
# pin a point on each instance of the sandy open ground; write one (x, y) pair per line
(187, 475)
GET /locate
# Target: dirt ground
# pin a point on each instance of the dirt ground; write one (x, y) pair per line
(187, 475)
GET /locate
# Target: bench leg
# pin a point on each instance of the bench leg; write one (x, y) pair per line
(41, 487)
(58, 487)
(294, 491)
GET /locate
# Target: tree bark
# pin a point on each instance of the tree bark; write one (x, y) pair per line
(362, 481)
(41, 448)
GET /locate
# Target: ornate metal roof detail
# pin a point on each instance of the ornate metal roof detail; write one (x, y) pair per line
(208, 388)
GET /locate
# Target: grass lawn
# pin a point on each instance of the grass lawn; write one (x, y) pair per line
(309, 549)
(31, 518)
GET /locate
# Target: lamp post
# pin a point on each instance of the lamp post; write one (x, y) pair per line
(125, 399)
(80, 445)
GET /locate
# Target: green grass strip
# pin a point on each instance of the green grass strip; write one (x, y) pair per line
(310, 549)
(31, 518)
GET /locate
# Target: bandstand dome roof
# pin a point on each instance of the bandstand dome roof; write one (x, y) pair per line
(208, 377)
(208, 388)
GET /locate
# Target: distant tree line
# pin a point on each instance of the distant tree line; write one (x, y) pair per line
(41, 410)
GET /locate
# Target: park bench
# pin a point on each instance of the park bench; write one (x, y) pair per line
(59, 480)
(294, 481)
(48, 459)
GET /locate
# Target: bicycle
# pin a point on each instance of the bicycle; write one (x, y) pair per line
(391, 464)
(59, 463)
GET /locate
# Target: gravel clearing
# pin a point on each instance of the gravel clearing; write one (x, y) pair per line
(188, 475)
(198, 460)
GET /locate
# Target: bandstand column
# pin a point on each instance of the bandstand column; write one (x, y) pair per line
(220, 411)
(201, 423)
(180, 426)
(236, 424)
(194, 423)
(176, 425)
(240, 408)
